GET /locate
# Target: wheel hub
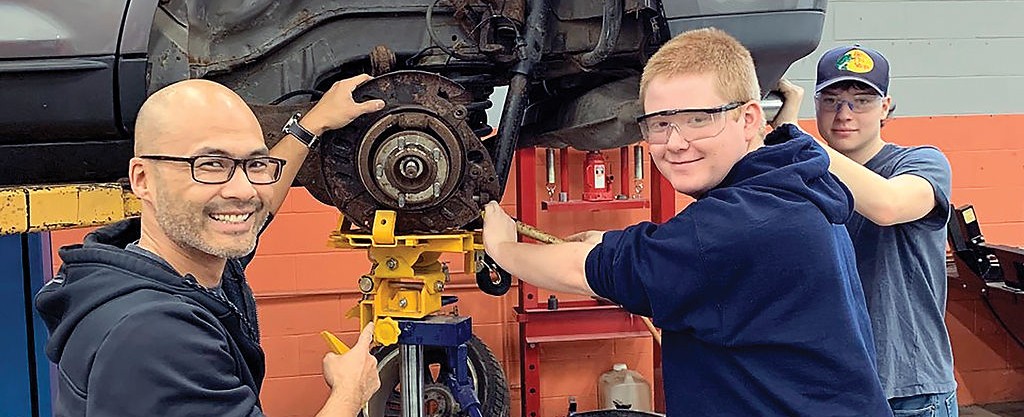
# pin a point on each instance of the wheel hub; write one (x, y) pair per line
(417, 156)
(438, 401)
(412, 168)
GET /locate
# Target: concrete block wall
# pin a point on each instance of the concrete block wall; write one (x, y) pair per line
(948, 57)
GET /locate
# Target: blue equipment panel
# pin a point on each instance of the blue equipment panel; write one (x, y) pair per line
(24, 265)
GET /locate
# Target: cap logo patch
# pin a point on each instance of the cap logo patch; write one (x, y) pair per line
(856, 61)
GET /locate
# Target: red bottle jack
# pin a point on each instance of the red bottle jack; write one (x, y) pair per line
(598, 185)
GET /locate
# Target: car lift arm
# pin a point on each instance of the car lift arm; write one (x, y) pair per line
(40, 208)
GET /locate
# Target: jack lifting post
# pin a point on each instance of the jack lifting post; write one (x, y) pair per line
(405, 283)
(407, 278)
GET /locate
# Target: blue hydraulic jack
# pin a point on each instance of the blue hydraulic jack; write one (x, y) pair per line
(450, 332)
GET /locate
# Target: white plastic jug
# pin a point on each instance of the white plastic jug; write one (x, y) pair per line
(621, 387)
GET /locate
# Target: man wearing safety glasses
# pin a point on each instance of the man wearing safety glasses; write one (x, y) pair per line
(901, 197)
(153, 316)
(754, 284)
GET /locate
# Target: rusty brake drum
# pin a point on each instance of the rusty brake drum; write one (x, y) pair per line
(417, 156)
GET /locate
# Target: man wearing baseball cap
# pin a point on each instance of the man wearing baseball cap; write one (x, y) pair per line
(901, 201)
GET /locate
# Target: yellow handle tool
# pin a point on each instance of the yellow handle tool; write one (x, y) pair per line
(336, 345)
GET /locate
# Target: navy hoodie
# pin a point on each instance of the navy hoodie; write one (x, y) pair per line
(131, 337)
(755, 287)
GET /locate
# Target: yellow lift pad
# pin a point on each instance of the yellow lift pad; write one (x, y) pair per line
(26, 209)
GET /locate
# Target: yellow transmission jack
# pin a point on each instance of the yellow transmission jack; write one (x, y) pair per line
(406, 279)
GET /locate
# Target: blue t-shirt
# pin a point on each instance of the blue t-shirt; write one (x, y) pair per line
(756, 290)
(903, 271)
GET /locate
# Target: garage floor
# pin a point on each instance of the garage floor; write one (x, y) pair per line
(994, 410)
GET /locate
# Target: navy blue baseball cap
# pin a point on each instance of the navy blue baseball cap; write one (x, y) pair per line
(853, 63)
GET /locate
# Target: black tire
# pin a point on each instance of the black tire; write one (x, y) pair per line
(485, 370)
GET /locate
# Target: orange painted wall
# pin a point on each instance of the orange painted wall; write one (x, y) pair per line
(303, 287)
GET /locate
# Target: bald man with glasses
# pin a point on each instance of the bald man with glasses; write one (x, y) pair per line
(153, 316)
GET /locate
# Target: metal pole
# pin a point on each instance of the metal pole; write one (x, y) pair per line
(624, 172)
(638, 170)
(549, 163)
(412, 380)
(563, 175)
(638, 162)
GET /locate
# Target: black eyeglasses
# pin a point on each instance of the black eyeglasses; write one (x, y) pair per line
(214, 169)
(690, 124)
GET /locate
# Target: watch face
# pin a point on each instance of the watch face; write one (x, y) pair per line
(291, 122)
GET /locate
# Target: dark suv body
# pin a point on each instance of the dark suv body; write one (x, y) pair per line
(72, 76)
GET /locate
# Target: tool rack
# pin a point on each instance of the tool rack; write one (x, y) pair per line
(574, 320)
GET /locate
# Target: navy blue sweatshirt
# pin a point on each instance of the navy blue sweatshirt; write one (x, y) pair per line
(756, 289)
(131, 337)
